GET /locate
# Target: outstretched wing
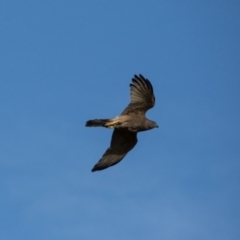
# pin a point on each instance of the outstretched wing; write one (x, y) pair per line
(122, 142)
(142, 95)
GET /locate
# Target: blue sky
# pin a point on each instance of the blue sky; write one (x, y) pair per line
(65, 62)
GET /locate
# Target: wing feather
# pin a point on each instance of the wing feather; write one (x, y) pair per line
(142, 95)
(122, 142)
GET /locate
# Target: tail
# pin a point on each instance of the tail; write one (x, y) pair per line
(97, 122)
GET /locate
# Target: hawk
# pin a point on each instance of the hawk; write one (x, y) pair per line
(126, 126)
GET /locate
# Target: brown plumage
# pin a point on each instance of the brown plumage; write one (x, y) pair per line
(126, 126)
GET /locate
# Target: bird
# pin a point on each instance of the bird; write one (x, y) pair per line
(126, 126)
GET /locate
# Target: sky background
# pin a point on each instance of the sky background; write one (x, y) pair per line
(65, 62)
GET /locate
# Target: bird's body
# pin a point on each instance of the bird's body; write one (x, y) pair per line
(128, 124)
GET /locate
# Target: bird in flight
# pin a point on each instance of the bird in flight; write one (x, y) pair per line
(126, 126)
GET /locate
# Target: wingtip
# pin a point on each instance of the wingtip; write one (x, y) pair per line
(99, 167)
(139, 76)
(95, 168)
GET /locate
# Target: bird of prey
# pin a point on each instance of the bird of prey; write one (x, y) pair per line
(126, 126)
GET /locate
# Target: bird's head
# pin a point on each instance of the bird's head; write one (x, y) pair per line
(155, 125)
(152, 124)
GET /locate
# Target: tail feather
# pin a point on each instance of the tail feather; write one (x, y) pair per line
(97, 123)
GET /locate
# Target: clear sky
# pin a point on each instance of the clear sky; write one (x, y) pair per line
(65, 62)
